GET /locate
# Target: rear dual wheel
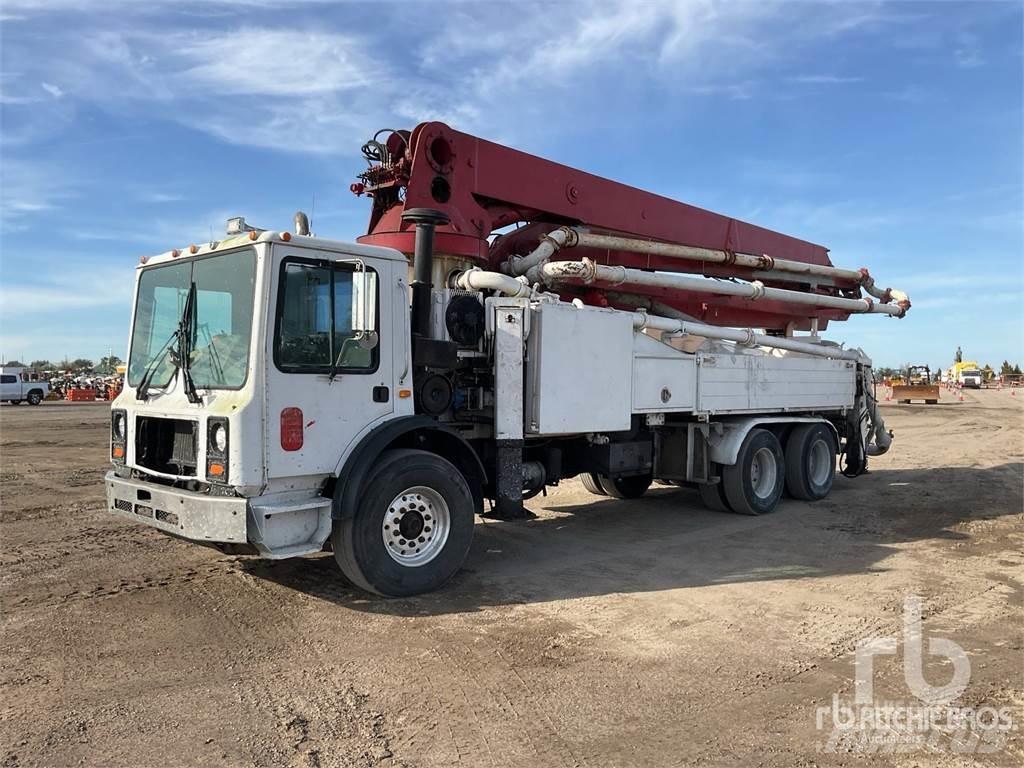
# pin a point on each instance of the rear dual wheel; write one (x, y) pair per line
(754, 484)
(629, 487)
(810, 461)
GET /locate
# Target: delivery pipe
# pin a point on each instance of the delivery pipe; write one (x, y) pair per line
(743, 336)
(477, 279)
(587, 271)
(770, 267)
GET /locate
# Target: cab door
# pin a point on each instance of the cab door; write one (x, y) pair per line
(10, 389)
(329, 376)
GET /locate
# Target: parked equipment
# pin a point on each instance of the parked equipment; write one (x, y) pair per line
(916, 384)
(304, 393)
(967, 374)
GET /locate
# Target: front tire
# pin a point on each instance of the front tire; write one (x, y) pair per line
(412, 528)
(810, 462)
(754, 484)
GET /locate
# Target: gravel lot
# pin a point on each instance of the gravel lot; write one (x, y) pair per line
(602, 633)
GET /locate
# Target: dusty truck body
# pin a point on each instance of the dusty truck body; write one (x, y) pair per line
(288, 393)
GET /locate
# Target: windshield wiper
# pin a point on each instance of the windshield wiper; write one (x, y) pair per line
(183, 335)
(186, 334)
(142, 392)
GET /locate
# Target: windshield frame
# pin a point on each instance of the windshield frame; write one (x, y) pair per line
(176, 371)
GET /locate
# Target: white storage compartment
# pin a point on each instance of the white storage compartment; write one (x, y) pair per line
(664, 380)
(737, 383)
(578, 376)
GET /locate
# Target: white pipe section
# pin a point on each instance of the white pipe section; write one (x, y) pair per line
(566, 237)
(743, 336)
(587, 271)
(476, 279)
(563, 237)
(763, 262)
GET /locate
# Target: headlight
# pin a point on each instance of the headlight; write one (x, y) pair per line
(219, 435)
(120, 426)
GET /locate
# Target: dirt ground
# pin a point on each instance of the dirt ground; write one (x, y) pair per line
(602, 633)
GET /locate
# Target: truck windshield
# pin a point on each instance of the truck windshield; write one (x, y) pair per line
(223, 319)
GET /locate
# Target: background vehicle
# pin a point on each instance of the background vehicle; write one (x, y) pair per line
(283, 395)
(967, 374)
(19, 385)
(916, 384)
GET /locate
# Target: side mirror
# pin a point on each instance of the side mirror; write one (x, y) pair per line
(364, 306)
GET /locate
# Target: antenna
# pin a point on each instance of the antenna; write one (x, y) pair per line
(312, 213)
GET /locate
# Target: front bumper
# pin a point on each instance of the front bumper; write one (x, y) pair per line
(195, 516)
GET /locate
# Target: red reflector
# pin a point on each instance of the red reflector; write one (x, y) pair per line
(291, 429)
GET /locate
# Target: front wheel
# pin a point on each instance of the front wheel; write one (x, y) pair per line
(412, 528)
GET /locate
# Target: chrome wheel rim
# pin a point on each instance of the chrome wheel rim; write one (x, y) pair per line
(416, 526)
(763, 473)
(819, 462)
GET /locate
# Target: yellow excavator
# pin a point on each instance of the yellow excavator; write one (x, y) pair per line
(916, 384)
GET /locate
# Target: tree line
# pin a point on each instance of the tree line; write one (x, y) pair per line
(106, 365)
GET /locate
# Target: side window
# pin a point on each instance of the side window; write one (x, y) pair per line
(8, 379)
(315, 323)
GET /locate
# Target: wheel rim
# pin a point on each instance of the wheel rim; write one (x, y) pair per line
(416, 526)
(819, 462)
(763, 473)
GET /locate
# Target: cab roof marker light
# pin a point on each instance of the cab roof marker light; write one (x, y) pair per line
(286, 236)
(192, 248)
(143, 259)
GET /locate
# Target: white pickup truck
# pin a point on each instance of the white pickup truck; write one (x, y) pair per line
(18, 384)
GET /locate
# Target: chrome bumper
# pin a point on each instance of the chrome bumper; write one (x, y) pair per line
(195, 516)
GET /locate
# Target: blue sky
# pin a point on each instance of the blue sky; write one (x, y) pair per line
(888, 132)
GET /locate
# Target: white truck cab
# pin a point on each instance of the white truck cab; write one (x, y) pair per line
(292, 362)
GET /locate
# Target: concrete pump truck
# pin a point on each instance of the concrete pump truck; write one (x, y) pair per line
(504, 324)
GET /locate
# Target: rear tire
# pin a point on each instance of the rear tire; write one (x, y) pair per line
(35, 398)
(412, 528)
(810, 462)
(754, 484)
(592, 483)
(632, 487)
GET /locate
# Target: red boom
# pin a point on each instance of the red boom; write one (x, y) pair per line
(484, 187)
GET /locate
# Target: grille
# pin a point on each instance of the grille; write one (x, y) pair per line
(143, 510)
(166, 445)
(167, 517)
(121, 504)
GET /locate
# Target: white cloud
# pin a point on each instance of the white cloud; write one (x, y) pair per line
(821, 79)
(264, 62)
(53, 90)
